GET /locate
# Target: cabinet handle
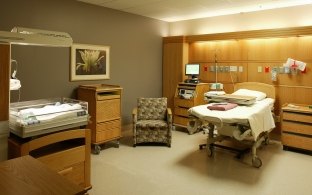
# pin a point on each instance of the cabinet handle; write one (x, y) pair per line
(65, 171)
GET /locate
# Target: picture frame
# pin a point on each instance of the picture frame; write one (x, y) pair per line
(89, 62)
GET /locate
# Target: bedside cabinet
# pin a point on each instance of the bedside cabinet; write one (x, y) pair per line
(296, 126)
(186, 96)
(104, 103)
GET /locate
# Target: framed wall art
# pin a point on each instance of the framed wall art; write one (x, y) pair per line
(89, 62)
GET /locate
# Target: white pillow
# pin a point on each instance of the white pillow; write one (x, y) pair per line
(258, 94)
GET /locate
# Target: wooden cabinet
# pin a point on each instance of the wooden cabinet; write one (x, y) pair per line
(5, 57)
(297, 126)
(104, 103)
(66, 152)
(175, 56)
(187, 95)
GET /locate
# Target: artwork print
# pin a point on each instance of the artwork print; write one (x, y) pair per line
(89, 62)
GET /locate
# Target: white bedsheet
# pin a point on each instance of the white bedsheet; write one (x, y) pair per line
(258, 115)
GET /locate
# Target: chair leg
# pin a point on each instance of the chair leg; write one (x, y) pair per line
(134, 145)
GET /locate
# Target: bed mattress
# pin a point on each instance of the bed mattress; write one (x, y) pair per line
(258, 115)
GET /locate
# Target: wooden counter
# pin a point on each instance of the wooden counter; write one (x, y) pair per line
(26, 175)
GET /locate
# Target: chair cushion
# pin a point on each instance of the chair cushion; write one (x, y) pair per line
(152, 125)
(152, 108)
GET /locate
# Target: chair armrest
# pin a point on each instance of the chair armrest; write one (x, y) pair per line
(169, 111)
(169, 115)
(134, 115)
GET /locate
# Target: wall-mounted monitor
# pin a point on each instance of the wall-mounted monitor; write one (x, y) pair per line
(192, 70)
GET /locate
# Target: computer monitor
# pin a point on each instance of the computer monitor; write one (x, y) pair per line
(192, 70)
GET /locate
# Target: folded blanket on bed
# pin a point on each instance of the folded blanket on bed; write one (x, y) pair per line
(221, 106)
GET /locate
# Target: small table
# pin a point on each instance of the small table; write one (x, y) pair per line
(28, 176)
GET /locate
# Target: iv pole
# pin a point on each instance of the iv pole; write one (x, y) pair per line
(216, 66)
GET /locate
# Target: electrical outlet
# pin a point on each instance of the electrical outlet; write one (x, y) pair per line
(240, 69)
(259, 68)
(233, 68)
(212, 69)
(221, 68)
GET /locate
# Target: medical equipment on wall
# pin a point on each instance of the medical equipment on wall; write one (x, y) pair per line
(295, 65)
(216, 86)
(15, 84)
(274, 75)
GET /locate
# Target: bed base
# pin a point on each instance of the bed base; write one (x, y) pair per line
(240, 152)
(212, 138)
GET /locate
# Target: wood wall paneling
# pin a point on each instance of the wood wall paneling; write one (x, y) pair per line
(4, 81)
(252, 50)
(175, 56)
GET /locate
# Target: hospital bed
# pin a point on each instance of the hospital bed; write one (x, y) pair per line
(249, 122)
(37, 117)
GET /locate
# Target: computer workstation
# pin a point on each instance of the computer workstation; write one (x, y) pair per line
(192, 71)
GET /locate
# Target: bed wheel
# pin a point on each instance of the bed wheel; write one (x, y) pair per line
(117, 143)
(256, 162)
(267, 141)
(97, 149)
(210, 151)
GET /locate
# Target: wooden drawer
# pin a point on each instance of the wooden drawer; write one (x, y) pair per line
(182, 121)
(297, 141)
(66, 158)
(107, 110)
(74, 173)
(106, 96)
(292, 116)
(107, 131)
(113, 124)
(181, 111)
(183, 103)
(107, 135)
(297, 127)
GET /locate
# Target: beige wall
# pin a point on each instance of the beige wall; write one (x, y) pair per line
(268, 19)
(135, 42)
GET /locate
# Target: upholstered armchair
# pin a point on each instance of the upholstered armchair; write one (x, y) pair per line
(152, 121)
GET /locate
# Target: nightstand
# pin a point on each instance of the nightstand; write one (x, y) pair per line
(296, 127)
